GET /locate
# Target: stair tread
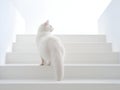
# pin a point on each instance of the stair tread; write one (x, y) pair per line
(101, 81)
(64, 65)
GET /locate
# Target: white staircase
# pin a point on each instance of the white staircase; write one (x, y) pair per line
(90, 64)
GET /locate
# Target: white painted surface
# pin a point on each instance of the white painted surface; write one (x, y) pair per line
(75, 47)
(65, 38)
(72, 72)
(82, 49)
(7, 17)
(11, 23)
(65, 85)
(70, 58)
(89, 65)
(109, 24)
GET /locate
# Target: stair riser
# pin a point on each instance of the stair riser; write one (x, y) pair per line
(66, 44)
(60, 86)
(69, 48)
(71, 72)
(66, 38)
(88, 58)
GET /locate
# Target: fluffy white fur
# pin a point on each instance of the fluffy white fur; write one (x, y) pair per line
(51, 49)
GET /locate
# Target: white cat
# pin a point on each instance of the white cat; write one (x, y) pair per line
(51, 49)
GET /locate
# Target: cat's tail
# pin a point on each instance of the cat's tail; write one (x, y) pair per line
(58, 65)
(58, 60)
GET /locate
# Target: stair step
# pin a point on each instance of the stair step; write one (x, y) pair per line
(70, 58)
(64, 85)
(72, 72)
(71, 44)
(74, 47)
(66, 38)
(82, 81)
(90, 64)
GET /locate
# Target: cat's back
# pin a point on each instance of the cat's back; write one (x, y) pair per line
(53, 39)
(49, 41)
(55, 42)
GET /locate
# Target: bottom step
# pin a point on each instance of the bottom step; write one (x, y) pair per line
(72, 72)
(60, 85)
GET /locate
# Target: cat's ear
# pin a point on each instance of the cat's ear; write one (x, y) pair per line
(47, 22)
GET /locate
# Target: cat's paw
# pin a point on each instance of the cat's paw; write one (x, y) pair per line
(49, 64)
(42, 64)
(59, 79)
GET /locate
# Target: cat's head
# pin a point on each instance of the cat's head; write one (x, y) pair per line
(46, 27)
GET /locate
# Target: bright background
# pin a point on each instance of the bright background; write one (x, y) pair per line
(66, 16)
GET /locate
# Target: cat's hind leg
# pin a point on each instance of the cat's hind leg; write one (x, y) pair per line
(43, 62)
(49, 63)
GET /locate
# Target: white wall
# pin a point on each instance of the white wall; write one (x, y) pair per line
(109, 23)
(8, 20)
(6, 29)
